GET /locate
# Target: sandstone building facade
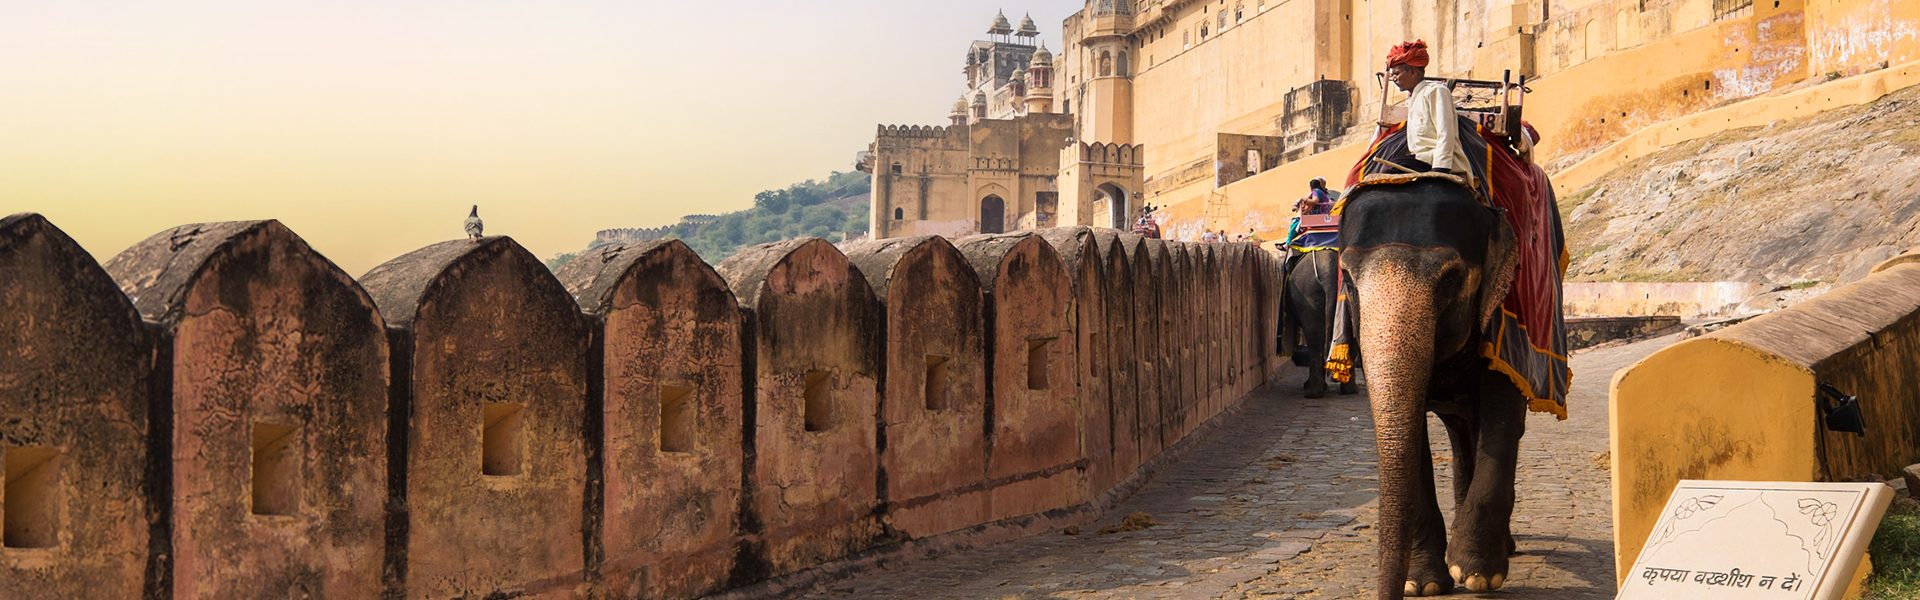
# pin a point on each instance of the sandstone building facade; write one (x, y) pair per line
(1196, 105)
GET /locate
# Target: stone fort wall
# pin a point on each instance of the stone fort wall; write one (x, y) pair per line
(220, 411)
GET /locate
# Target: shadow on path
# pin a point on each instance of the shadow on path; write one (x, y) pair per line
(1280, 504)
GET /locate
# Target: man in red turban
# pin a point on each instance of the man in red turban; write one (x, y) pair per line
(1433, 130)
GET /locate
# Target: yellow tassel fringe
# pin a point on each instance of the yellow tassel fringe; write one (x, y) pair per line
(1340, 364)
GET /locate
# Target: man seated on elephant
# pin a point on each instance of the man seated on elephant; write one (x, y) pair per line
(1433, 128)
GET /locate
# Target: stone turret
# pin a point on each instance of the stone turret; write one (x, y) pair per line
(1039, 82)
(959, 115)
(1027, 30)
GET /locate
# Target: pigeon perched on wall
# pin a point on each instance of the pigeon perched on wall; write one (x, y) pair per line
(473, 223)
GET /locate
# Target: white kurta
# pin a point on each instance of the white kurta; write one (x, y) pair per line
(1433, 131)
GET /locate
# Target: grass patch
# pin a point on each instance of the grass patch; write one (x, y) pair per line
(1896, 556)
(1803, 285)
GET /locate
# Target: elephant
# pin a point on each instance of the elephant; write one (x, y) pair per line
(1429, 265)
(1311, 283)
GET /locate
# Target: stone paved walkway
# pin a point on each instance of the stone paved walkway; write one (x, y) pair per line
(1280, 504)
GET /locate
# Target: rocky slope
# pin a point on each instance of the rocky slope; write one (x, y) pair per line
(1817, 199)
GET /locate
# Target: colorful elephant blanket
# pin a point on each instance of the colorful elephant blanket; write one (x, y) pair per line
(1527, 339)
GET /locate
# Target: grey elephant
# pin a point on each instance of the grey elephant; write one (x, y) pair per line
(1430, 267)
(1312, 278)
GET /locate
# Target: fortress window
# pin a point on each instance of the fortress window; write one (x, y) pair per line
(1038, 358)
(276, 469)
(502, 438)
(1239, 12)
(1186, 40)
(1106, 64)
(899, 214)
(934, 392)
(1125, 68)
(1223, 21)
(896, 168)
(31, 513)
(1253, 161)
(676, 418)
(819, 408)
(1203, 31)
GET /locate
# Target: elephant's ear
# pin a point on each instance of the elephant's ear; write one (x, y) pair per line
(1497, 277)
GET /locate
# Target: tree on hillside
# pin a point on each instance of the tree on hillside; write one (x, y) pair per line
(812, 208)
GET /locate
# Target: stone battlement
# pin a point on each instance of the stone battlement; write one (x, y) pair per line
(911, 131)
(219, 411)
(1132, 155)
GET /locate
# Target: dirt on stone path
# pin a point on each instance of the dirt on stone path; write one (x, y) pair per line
(1280, 504)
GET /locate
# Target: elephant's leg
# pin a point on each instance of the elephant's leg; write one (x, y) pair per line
(1460, 434)
(1483, 529)
(1427, 573)
(1315, 332)
(1348, 387)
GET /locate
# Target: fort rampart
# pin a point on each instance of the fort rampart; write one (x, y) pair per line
(219, 411)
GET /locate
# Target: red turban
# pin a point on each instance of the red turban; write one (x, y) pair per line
(1412, 54)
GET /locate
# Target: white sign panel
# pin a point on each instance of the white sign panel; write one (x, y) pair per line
(1773, 541)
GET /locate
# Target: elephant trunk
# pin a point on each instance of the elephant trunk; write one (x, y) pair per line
(1397, 324)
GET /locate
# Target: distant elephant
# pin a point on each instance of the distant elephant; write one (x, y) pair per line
(1429, 266)
(1312, 280)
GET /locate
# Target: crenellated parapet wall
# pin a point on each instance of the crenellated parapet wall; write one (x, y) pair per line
(461, 422)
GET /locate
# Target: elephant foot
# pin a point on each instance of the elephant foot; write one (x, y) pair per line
(1316, 389)
(1427, 580)
(1480, 576)
(1349, 388)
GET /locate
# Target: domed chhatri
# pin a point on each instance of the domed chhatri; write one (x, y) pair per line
(1027, 29)
(1000, 25)
(1042, 58)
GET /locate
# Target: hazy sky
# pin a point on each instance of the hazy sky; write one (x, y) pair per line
(369, 126)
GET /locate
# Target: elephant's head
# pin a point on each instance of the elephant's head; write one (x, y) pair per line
(1429, 266)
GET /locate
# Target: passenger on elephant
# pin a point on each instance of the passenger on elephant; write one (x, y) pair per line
(1433, 129)
(1319, 201)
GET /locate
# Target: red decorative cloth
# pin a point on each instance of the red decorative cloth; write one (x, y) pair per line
(1412, 54)
(1527, 338)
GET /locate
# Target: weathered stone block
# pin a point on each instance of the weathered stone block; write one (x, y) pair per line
(670, 370)
(1081, 257)
(1033, 453)
(1118, 293)
(279, 410)
(490, 363)
(74, 367)
(816, 359)
(934, 405)
(1146, 256)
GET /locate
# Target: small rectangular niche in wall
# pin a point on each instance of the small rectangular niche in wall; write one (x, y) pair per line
(1038, 358)
(676, 418)
(276, 469)
(819, 404)
(935, 392)
(31, 512)
(503, 439)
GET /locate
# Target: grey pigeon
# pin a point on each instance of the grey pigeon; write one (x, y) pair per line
(473, 223)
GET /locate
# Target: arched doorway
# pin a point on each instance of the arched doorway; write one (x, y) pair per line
(1111, 207)
(993, 215)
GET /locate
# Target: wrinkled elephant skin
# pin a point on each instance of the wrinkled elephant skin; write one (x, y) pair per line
(1429, 264)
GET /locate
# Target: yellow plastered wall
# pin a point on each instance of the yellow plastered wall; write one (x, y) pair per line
(1706, 408)
(1749, 113)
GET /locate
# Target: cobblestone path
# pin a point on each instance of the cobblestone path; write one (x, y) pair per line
(1280, 504)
